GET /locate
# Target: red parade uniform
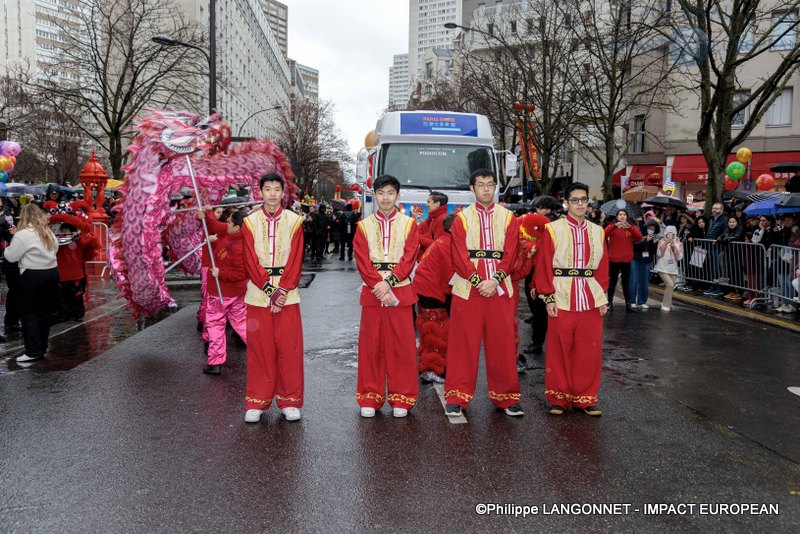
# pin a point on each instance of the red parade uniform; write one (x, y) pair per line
(432, 284)
(484, 246)
(386, 249)
(273, 253)
(572, 272)
(431, 229)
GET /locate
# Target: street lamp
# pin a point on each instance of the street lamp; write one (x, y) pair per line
(241, 128)
(211, 53)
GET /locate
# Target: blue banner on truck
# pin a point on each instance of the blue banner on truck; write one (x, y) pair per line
(438, 124)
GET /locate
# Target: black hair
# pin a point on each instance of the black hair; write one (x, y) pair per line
(574, 186)
(481, 172)
(349, 207)
(271, 177)
(386, 179)
(237, 218)
(447, 222)
(622, 209)
(439, 197)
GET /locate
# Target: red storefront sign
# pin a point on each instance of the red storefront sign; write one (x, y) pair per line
(693, 168)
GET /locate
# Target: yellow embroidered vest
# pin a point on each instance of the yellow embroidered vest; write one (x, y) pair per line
(400, 229)
(472, 224)
(563, 258)
(288, 224)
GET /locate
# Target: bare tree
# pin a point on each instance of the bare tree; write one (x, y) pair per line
(618, 70)
(518, 53)
(107, 69)
(713, 42)
(16, 106)
(309, 137)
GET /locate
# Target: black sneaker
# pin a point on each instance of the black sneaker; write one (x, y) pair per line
(594, 411)
(199, 326)
(515, 410)
(556, 410)
(212, 370)
(453, 410)
(521, 364)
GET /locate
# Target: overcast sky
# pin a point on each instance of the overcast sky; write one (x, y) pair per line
(351, 42)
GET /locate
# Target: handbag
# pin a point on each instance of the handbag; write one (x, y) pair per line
(698, 257)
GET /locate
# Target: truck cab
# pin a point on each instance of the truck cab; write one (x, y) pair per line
(427, 151)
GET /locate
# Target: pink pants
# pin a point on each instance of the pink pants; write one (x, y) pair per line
(235, 311)
(201, 312)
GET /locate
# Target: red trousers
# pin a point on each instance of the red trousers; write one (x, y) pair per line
(387, 351)
(274, 357)
(573, 359)
(491, 320)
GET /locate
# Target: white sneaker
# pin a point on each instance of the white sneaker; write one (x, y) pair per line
(252, 416)
(644, 306)
(634, 306)
(664, 309)
(26, 358)
(367, 412)
(399, 412)
(291, 414)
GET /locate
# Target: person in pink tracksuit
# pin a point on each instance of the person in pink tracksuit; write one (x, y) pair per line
(230, 271)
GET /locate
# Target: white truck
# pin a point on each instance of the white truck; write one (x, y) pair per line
(428, 151)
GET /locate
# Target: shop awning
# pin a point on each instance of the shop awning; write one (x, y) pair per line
(693, 168)
(762, 161)
(646, 175)
(617, 177)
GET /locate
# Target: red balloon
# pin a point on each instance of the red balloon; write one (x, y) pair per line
(730, 185)
(765, 182)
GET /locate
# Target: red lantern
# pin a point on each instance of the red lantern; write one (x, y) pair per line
(519, 106)
(730, 185)
(338, 188)
(765, 182)
(531, 108)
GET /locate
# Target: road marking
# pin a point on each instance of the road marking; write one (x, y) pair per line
(461, 419)
(795, 390)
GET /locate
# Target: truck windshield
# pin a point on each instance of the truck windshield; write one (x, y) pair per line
(434, 166)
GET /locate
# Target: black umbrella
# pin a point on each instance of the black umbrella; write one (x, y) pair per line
(665, 201)
(763, 195)
(788, 166)
(736, 193)
(792, 200)
(612, 207)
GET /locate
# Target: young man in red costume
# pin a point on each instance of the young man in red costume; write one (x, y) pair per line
(431, 228)
(273, 254)
(386, 245)
(572, 277)
(432, 284)
(485, 238)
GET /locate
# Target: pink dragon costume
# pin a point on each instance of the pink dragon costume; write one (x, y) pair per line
(159, 168)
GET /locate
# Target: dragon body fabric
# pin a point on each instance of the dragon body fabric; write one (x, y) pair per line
(157, 170)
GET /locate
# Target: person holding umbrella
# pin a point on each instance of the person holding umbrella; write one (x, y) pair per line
(621, 236)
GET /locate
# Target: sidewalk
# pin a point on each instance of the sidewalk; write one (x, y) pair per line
(786, 321)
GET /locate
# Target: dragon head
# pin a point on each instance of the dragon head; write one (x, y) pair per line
(184, 133)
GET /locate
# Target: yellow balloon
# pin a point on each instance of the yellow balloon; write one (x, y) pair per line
(744, 154)
(369, 140)
(5, 163)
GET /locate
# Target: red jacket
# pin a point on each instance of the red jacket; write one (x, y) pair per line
(620, 242)
(214, 228)
(371, 276)
(435, 269)
(229, 257)
(71, 257)
(431, 228)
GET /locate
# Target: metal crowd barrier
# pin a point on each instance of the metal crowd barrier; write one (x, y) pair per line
(101, 231)
(743, 266)
(784, 287)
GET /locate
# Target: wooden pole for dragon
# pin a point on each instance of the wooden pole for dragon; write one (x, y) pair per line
(205, 226)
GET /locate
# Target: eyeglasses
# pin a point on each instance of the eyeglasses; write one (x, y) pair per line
(485, 186)
(581, 200)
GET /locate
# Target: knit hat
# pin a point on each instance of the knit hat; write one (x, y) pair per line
(670, 230)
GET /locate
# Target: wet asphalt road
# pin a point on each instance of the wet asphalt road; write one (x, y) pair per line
(138, 440)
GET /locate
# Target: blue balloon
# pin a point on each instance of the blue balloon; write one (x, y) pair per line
(3, 176)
